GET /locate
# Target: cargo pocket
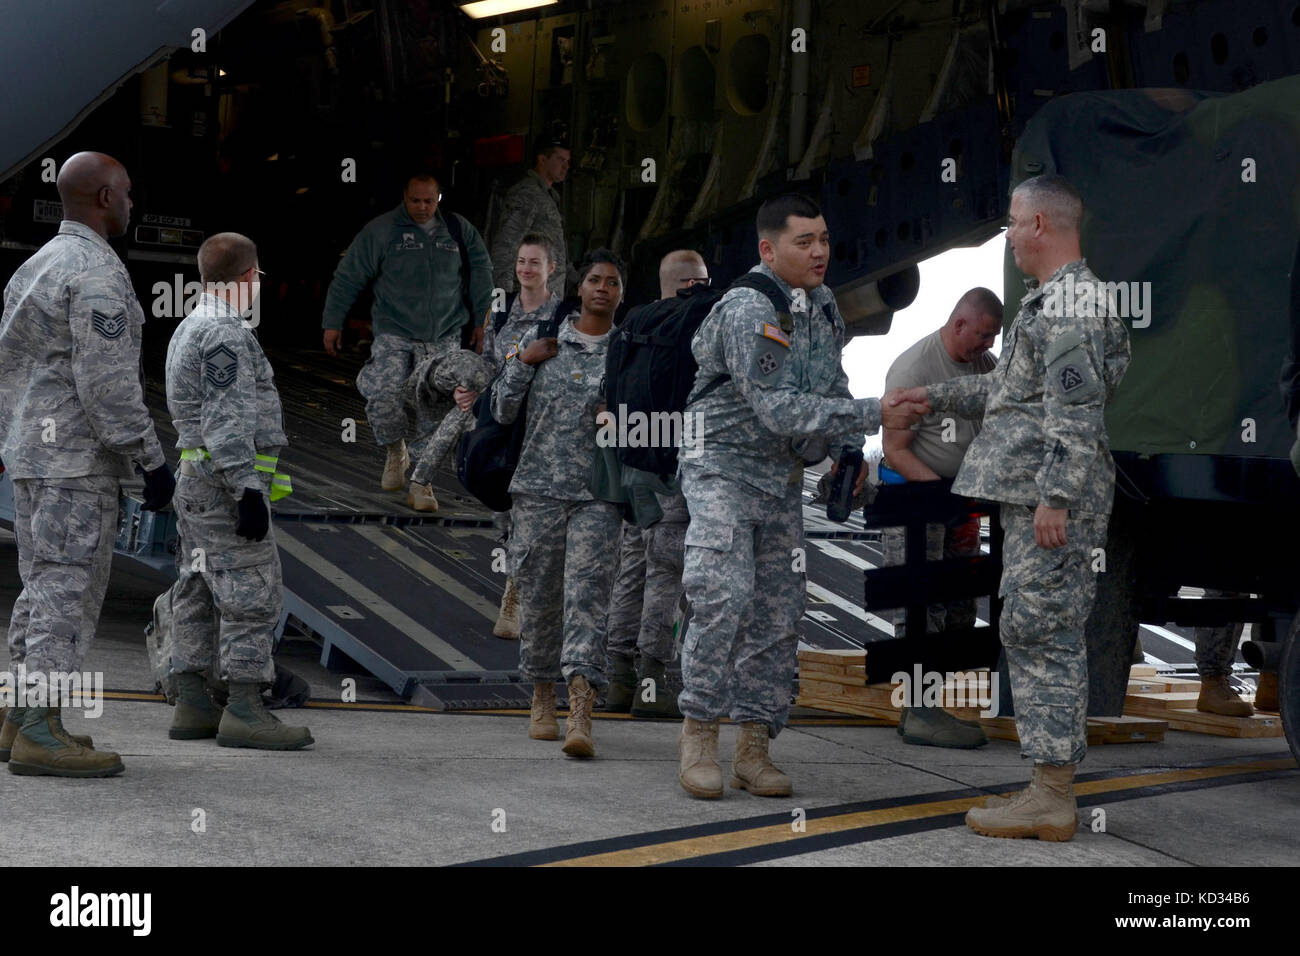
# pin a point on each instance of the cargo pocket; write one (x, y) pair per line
(68, 526)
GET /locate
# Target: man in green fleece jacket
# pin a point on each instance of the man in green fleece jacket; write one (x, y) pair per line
(419, 306)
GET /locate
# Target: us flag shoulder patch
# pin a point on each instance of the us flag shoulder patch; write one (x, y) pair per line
(774, 333)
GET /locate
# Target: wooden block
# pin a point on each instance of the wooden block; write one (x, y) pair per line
(820, 688)
(1147, 704)
(834, 657)
(830, 678)
(1257, 725)
(1141, 671)
(1101, 730)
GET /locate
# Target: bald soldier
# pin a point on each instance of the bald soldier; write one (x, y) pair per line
(1042, 453)
(75, 424)
(648, 588)
(229, 594)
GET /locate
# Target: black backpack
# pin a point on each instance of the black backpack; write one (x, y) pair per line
(650, 366)
(489, 453)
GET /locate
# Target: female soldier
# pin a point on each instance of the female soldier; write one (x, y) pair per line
(564, 541)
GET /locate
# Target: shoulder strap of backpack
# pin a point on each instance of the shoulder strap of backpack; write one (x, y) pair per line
(457, 232)
(499, 318)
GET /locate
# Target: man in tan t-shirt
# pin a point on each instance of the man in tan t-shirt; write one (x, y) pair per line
(933, 450)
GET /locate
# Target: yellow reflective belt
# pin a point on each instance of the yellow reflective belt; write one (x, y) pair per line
(281, 486)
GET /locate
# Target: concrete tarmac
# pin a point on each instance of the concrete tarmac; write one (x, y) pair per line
(417, 788)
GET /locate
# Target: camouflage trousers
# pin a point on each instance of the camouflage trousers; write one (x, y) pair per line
(1216, 647)
(563, 554)
(384, 382)
(65, 529)
(941, 542)
(739, 654)
(229, 596)
(627, 597)
(1047, 597)
(648, 592)
(435, 377)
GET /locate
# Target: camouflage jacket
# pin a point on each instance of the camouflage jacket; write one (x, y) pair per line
(71, 388)
(221, 395)
(1044, 435)
(783, 385)
(530, 206)
(416, 275)
(518, 323)
(564, 393)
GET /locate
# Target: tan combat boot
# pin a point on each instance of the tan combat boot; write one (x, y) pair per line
(542, 724)
(699, 773)
(43, 747)
(12, 718)
(577, 728)
(1002, 799)
(507, 625)
(420, 497)
(751, 768)
(395, 466)
(1266, 692)
(1218, 697)
(1046, 809)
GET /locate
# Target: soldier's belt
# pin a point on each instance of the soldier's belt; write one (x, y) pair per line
(281, 486)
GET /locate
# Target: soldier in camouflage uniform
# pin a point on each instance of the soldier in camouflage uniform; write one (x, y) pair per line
(564, 540)
(228, 597)
(419, 311)
(460, 373)
(933, 451)
(643, 610)
(534, 304)
(533, 206)
(769, 388)
(1042, 453)
(72, 406)
(1216, 648)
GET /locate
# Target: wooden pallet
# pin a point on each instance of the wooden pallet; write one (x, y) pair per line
(836, 681)
(1101, 730)
(1173, 700)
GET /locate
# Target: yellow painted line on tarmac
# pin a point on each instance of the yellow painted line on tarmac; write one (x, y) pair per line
(675, 850)
(500, 711)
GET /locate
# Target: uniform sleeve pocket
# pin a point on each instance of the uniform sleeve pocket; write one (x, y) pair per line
(1069, 370)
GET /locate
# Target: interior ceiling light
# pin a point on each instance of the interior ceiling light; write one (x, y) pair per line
(495, 8)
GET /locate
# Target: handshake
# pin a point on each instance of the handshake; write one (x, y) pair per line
(904, 407)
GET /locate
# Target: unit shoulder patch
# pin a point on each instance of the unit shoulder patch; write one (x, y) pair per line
(769, 358)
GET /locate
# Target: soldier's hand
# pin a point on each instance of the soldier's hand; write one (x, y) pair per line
(333, 341)
(159, 486)
(476, 339)
(539, 351)
(254, 516)
(901, 416)
(1049, 526)
(464, 398)
(919, 395)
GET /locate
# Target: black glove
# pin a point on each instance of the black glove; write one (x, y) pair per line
(254, 516)
(159, 486)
